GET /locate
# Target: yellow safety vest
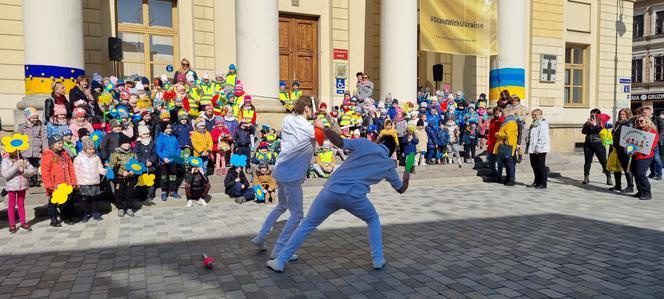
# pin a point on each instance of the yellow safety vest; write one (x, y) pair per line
(239, 101)
(194, 100)
(346, 118)
(283, 96)
(219, 87)
(207, 92)
(326, 156)
(231, 79)
(323, 119)
(267, 156)
(295, 95)
(248, 115)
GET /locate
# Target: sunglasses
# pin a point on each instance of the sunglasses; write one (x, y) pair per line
(185, 64)
(640, 121)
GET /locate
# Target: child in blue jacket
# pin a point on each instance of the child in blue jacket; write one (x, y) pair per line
(432, 132)
(469, 138)
(168, 150)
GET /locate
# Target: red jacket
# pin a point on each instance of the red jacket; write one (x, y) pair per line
(57, 169)
(640, 156)
(494, 126)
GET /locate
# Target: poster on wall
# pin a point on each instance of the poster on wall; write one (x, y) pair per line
(642, 140)
(466, 27)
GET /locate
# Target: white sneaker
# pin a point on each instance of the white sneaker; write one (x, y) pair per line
(189, 203)
(379, 264)
(293, 257)
(272, 264)
(259, 243)
(201, 202)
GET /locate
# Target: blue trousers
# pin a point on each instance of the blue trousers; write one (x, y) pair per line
(323, 206)
(290, 196)
(491, 160)
(237, 191)
(656, 164)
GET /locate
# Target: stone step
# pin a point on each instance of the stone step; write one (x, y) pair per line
(36, 207)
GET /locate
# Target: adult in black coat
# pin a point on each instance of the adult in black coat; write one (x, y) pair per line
(57, 97)
(83, 92)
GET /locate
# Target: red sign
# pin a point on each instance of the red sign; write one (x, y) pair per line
(341, 54)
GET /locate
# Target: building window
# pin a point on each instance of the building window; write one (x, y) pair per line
(659, 68)
(575, 70)
(637, 28)
(148, 30)
(637, 70)
(659, 22)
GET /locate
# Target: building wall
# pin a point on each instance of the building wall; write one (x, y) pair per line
(204, 38)
(592, 23)
(12, 84)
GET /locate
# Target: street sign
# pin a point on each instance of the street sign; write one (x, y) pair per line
(625, 80)
(340, 54)
(626, 88)
(341, 83)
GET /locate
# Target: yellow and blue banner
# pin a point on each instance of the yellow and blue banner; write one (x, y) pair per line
(466, 27)
(512, 79)
(38, 78)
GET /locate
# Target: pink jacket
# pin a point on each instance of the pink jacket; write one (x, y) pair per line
(88, 169)
(74, 127)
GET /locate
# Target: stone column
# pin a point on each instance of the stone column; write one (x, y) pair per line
(53, 41)
(398, 49)
(257, 40)
(508, 68)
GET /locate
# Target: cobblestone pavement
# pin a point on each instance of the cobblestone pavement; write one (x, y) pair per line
(480, 240)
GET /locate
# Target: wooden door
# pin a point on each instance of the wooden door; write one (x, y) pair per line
(298, 52)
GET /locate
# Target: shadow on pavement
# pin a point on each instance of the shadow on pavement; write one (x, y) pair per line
(536, 256)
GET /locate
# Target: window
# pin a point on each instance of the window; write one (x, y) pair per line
(148, 32)
(659, 22)
(637, 70)
(637, 28)
(659, 68)
(575, 75)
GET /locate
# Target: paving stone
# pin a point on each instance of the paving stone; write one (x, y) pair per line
(470, 241)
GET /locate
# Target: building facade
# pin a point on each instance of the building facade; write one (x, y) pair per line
(573, 53)
(648, 55)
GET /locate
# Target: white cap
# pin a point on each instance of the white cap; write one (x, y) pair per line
(205, 76)
(190, 77)
(163, 78)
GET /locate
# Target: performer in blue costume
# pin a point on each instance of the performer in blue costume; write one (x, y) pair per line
(347, 188)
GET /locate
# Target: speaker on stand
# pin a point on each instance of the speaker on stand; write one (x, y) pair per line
(438, 74)
(115, 53)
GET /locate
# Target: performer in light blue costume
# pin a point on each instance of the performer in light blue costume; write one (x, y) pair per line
(347, 188)
(297, 149)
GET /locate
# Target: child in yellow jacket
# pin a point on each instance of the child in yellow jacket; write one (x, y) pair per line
(201, 142)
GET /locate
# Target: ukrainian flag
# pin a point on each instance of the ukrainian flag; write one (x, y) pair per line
(38, 78)
(512, 79)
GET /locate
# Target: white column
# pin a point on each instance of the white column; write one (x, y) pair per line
(53, 41)
(508, 69)
(257, 40)
(398, 49)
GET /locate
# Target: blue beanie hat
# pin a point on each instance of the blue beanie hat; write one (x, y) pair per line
(231, 67)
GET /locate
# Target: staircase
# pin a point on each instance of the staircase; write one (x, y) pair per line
(443, 175)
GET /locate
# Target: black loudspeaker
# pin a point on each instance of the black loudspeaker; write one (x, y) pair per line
(114, 49)
(438, 72)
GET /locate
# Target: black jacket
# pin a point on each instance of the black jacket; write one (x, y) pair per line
(591, 132)
(229, 181)
(145, 153)
(108, 145)
(92, 110)
(49, 105)
(196, 185)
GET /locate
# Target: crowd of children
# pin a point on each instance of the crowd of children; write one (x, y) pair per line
(93, 139)
(108, 132)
